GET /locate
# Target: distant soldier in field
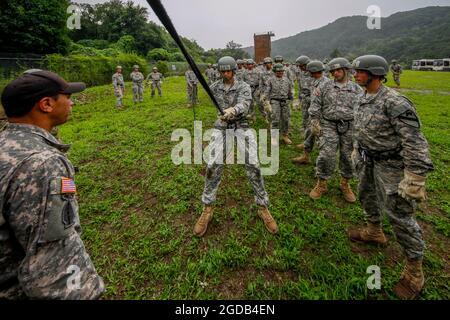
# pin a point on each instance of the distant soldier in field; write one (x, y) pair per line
(3, 119)
(278, 93)
(156, 78)
(192, 89)
(392, 161)
(215, 74)
(209, 73)
(264, 79)
(119, 86)
(42, 255)
(396, 70)
(234, 97)
(138, 84)
(331, 113)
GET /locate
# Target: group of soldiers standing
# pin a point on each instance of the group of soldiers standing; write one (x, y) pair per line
(374, 129)
(137, 78)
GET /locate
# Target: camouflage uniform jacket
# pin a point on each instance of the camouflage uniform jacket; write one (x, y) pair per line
(117, 81)
(41, 251)
(279, 89)
(238, 96)
(191, 79)
(388, 121)
(137, 77)
(155, 76)
(252, 78)
(335, 101)
(396, 69)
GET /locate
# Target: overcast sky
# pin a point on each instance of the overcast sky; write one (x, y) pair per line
(215, 22)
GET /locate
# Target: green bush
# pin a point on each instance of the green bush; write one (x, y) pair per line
(162, 67)
(158, 54)
(93, 70)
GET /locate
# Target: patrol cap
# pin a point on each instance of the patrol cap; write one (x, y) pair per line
(32, 86)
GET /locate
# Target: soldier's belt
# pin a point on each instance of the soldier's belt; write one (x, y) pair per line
(367, 154)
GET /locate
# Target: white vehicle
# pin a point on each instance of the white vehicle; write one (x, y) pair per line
(446, 66)
(426, 64)
(438, 65)
(415, 65)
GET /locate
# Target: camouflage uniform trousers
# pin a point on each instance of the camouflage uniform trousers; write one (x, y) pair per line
(310, 139)
(216, 162)
(330, 140)
(192, 94)
(119, 94)
(397, 79)
(138, 92)
(280, 115)
(378, 185)
(156, 85)
(256, 101)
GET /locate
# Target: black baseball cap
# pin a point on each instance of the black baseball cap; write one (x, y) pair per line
(34, 85)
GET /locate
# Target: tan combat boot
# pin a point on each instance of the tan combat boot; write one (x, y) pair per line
(300, 146)
(269, 221)
(347, 192)
(304, 159)
(411, 281)
(286, 139)
(320, 189)
(372, 233)
(202, 223)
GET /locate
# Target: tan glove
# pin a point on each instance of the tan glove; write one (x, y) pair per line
(267, 107)
(262, 98)
(315, 127)
(412, 187)
(296, 104)
(229, 114)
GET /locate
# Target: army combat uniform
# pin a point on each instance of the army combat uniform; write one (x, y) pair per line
(333, 104)
(279, 92)
(138, 86)
(389, 141)
(119, 87)
(156, 78)
(41, 253)
(252, 78)
(192, 90)
(396, 71)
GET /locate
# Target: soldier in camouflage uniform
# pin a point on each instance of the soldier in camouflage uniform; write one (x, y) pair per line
(215, 76)
(392, 160)
(331, 114)
(279, 93)
(240, 72)
(119, 86)
(156, 78)
(41, 253)
(209, 73)
(138, 84)
(191, 81)
(3, 119)
(252, 78)
(234, 97)
(396, 70)
(265, 75)
(315, 69)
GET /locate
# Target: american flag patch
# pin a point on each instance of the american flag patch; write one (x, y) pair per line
(68, 185)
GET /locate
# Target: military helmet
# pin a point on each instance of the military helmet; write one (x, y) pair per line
(227, 63)
(278, 59)
(302, 60)
(376, 65)
(215, 65)
(155, 68)
(119, 67)
(268, 60)
(31, 71)
(240, 61)
(394, 61)
(135, 66)
(339, 63)
(278, 67)
(315, 66)
(250, 61)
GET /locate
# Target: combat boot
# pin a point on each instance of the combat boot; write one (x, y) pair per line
(372, 233)
(347, 192)
(304, 159)
(300, 146)
(202, 223)
(411, 281)
(269, 221)
(286, 139)
(320, 189)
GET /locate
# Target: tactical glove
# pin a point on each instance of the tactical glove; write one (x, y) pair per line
(315, 127)
(229, 114)
(412, 187)
(267, 107)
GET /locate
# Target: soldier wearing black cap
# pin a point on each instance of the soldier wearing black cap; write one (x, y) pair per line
(41, 252)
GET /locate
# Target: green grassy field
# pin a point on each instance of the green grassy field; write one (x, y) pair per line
(138, 209)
